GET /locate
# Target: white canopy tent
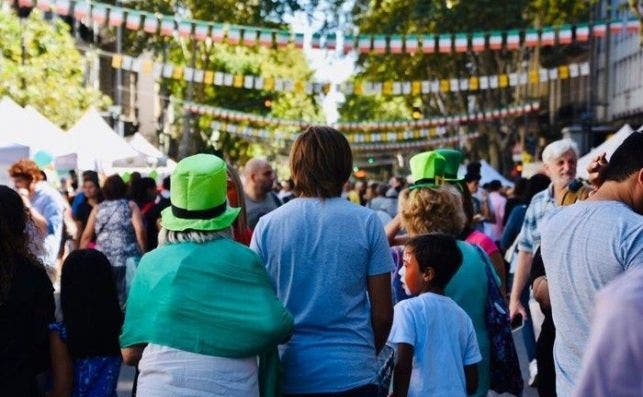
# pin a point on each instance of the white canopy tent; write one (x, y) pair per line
(487, 173)
(10, 153)
(26, 126)
(608, 147)
(148, 154)
(95, 144)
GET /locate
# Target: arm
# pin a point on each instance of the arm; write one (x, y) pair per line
(523, 268)
(471, 377)
(62, 369)
(86, 237)
(392, 228)
(596, 170)
(132, 354)
(139, 227)
(541, 291)
(379, 294)
(499, 264)
(403, 369)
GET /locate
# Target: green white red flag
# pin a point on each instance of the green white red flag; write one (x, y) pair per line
(565, 34)
(461, 43)
(151, 24)
(513, 40)
(495, 40)
(133, 21)
(444, 43)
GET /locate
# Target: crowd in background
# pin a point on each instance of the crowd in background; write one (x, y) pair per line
(211, 282)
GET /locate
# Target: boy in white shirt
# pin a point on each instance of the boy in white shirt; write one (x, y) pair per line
(437, 350)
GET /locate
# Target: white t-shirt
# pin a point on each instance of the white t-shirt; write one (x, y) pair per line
(169, 372)
(443, 339)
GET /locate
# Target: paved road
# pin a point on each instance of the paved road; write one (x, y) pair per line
(127, 374)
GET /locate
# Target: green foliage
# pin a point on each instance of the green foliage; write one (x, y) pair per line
(51, 76)
(282, 63)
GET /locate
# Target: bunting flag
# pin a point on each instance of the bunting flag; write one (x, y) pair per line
(81, 11)
(599, 30)
(513, 40)
(369, 127)
(99, 15)
(44, 5)
(495, 41)
(428, 44)
(388, 88)
(432, 137)
(315, 41)
(395, 44)
(62, 7)
(582, 33)
(201, 31)
(218, 34)
(379, 44)
(444, 43)
(565, 34)
(151, 24)
(461, 43)
(412, 44)
(133, 21)
(532, 38)
(548, 37)
(365, 43)
(116, 16)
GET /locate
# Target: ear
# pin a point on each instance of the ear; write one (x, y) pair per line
(639, 177)
(429, 274)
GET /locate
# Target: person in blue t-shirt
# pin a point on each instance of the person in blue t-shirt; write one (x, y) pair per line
(437, 349)
(330, 264)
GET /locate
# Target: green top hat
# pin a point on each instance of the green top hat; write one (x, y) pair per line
(198, 195)
(453, 158)
(427, 169)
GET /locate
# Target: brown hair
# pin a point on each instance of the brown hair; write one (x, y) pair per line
(26, 169)
(427, 210)
(114, 188)
(320, 162)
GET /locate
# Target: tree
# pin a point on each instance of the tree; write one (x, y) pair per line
(439, 16)
(40, 66)
(277, 63)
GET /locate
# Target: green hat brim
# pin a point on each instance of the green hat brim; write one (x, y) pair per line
(421, 185)
(456, 180)
(170, 222)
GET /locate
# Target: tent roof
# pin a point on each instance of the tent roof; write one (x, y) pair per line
(26, 126)
(608, 147)
(96, 143)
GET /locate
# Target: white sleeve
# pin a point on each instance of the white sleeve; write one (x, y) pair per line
(403, 329)
(471, 351)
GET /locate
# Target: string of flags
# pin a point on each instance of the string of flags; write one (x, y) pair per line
(359, 87)
(397, 130)
(169, 25)
(419, 138)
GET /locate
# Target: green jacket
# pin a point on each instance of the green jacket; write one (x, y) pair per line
(213, 298)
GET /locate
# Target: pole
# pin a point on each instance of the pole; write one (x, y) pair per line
(186, 144)
(118, 83)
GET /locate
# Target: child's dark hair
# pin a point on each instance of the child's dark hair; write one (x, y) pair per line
(439, 251)
(89, 301)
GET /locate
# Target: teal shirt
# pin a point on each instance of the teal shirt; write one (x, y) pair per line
(468, 288)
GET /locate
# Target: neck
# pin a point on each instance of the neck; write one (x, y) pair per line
(613, 191)
(254, 194)
(434, 289)
(558, 190)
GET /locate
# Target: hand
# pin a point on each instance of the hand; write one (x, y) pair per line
(516, 307)
(24, 195)
(596, 170)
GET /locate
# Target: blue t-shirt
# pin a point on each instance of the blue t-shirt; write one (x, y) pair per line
(319, 254)
(584, 247)
(443, 340)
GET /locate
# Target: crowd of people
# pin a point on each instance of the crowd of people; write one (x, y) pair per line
(224, 284)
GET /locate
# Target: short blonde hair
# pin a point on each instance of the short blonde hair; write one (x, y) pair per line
(428, 210)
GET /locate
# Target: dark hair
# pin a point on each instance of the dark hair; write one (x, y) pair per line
(89, 302)
(382, 188)
(320, 162)
(536, 184)
(14, 237)
(467, 206)
(495, 185)
(439, 251)
(471, 177)
(520, 188)
(114, 188)
(140, 190)
(91, 176)
(166, 183)
(627, 159)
